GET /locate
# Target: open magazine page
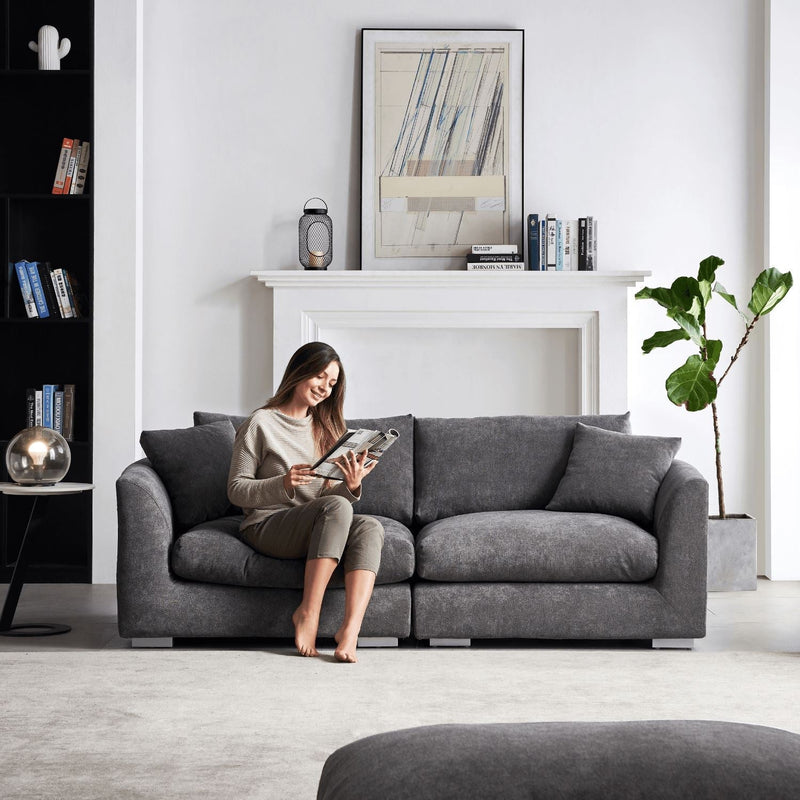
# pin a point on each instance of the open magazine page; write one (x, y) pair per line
(376, 443)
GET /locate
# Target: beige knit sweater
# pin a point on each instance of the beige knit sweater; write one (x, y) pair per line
(267, 445)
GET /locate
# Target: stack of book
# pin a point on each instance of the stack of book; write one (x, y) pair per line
(556, 244)
(495, 257)
(73, 164)
(52, 406)
(46, 292)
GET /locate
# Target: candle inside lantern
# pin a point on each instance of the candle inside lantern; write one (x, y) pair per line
(316, 258)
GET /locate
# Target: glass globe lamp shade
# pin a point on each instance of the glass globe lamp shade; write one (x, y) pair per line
(38, 456)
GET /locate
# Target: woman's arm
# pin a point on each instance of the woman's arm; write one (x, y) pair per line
(244, 489)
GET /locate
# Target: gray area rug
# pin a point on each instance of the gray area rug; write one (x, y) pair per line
(259, 724)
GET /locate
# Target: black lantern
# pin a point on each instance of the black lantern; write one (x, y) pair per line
(316, 235)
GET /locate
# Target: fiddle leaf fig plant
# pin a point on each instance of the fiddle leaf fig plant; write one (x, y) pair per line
(694, 384)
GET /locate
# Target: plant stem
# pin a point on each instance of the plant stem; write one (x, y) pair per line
(738, 349)
(720, 492)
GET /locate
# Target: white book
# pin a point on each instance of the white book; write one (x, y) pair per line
(37, 407)
(61, 293)
(571, 244)
(496, 266)
(551, 243)
(81, 168)
(498, 249)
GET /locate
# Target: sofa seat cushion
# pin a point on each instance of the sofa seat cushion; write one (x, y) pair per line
(497, 546)
(213, 553)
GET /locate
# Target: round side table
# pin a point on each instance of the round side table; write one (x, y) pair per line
(41, 496)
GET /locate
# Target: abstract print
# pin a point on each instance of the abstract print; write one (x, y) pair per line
(441, 147)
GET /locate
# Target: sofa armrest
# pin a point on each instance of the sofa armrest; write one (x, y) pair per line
(145, 532)
(681, 527)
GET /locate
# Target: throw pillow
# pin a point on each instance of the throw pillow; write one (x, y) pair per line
(614, 473)
(193, 463)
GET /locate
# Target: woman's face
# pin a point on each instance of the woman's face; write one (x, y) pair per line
(314, 390)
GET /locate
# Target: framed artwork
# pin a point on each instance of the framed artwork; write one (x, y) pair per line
(441, 161)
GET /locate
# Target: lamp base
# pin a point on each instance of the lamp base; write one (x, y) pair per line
(315, 269)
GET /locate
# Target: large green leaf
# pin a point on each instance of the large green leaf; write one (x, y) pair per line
(664, 338)
(770, 288)
(687, 292)
(664, 297)
(692, 385)
(713, 352)
(708, 268)
(690, 324)
(705, 292)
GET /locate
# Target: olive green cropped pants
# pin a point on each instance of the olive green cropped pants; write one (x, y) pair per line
(321, 528)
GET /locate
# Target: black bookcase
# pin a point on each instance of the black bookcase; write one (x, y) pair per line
(40, 109)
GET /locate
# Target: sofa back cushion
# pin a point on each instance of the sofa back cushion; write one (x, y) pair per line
(389, 488)
(193, 464)
(465, 465)
(204, 417)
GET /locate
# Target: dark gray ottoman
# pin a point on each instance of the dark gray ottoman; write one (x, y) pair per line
(659, 759)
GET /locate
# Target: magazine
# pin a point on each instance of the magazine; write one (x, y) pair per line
(376, 443)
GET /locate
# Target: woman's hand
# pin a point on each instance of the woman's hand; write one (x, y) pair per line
(352, 466)
(298, 475)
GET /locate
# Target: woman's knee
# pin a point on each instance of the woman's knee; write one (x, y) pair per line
(334, 505)
(369, 527)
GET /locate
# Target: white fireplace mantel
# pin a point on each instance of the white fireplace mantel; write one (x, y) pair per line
(307, 304)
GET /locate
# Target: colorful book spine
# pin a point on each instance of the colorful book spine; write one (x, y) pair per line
(60, 283)
(543, 244)
(58, 411)
(63, 164)
(69, 411)
(582, 243)
(533, 243)
(37, 289)
(25, 287)
(72, 165)
(48, 392)
(37, 407)
(30, 407)
(81, 170)
(46, 279)
(72, 302)
(591, 232)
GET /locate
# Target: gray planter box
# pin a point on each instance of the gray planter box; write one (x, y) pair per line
(732, 553)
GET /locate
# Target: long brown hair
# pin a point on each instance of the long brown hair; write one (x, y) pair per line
(328, 416)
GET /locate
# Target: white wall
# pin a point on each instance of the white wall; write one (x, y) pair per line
(647, 115)
(783, 333)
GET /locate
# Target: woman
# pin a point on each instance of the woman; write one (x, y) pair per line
(291, 513)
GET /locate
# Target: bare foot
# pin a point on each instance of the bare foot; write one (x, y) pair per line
(347, 641)
(305, 632)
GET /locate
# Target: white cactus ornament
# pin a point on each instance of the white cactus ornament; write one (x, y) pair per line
(49, 50)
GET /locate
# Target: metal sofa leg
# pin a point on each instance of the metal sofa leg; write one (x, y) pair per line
(377, 641)
(450, 642)
(673, 644)
(152, 641)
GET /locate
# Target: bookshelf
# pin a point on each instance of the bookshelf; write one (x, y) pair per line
(40, 109)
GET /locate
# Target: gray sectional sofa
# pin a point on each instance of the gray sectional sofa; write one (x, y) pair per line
(564, 527)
